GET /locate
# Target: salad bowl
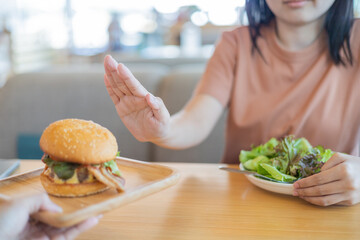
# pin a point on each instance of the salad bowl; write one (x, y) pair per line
(285, 160)
(282, 188)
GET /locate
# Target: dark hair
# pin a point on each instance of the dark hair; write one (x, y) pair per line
(338, 23)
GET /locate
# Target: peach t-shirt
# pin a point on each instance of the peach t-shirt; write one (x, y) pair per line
(301, 93)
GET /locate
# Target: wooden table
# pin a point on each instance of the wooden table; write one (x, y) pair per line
(211, 204)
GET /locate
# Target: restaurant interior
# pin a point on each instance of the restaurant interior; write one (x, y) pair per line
(52, 56)
(52, 67)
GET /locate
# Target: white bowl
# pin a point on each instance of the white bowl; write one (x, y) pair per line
(283, 188)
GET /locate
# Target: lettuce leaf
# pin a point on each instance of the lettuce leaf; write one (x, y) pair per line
(113, 166)
(276, 174)
(267, 150)
(254, 164)
(63, 170)
(285, 160)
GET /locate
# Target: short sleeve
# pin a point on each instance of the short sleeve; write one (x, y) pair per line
(354, 41)
(218, 77)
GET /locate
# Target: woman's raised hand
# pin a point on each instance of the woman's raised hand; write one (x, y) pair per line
(144, 115)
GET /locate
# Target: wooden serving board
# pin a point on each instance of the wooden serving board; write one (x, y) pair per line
(142, 179)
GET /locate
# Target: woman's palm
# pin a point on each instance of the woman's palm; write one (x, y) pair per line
(145, 116)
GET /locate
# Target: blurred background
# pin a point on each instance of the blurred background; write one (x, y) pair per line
(36, 33)
(51, 55)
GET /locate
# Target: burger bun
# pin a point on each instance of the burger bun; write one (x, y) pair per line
(78, 141)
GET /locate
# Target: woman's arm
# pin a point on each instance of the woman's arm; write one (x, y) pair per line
(192, 124)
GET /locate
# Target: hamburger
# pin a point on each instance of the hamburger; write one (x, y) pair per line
(79, 157)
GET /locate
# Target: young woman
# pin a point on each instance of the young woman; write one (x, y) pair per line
(294, 70)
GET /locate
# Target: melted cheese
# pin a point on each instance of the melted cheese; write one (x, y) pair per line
(73, 180)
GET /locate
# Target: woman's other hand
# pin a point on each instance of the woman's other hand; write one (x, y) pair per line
(337, 183)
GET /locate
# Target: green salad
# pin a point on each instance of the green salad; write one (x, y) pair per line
(286, 160)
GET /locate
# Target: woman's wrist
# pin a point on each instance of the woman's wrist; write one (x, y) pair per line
(164, 139)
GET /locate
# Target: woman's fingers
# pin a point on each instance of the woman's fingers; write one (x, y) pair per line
(122, 80)
(158, 107)
(321, 190)
(114, 97)
(130, 81)
(336, 159)
(152, 101)
(118, 84)
(327, 176)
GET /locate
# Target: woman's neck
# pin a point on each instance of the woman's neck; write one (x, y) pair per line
(296, 37)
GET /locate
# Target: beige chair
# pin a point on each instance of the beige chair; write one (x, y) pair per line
(175, 90)
(31, 101)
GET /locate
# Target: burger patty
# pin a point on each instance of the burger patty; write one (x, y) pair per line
(81, 175)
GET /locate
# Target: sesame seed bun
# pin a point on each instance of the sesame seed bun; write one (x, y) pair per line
(78, 141)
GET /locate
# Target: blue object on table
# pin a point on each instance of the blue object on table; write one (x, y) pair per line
(28, 146)
(8, 166)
